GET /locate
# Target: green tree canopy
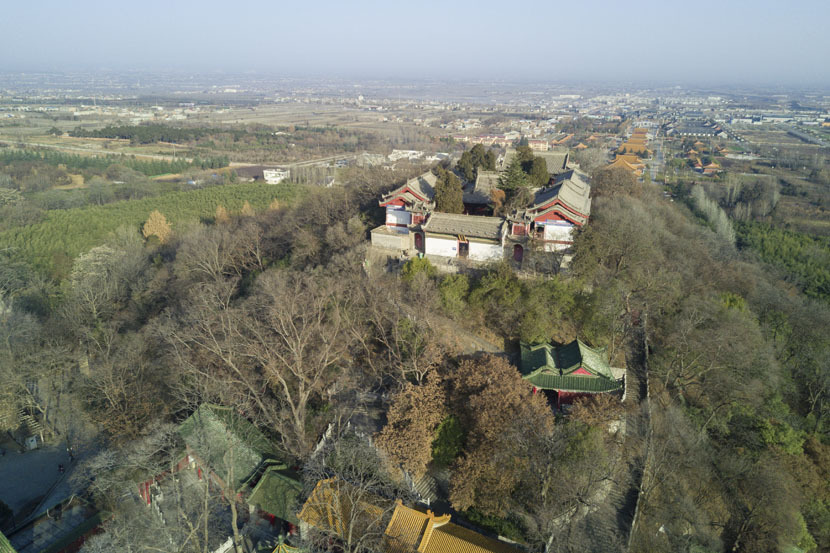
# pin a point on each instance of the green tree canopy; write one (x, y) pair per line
(475, 158)
(449, 197)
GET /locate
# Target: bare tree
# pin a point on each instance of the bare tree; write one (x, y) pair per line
(351, 497)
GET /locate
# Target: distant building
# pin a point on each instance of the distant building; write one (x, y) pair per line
(275, 176)
(270, 175)
(620, 161)
(411, 155)
(539, 145)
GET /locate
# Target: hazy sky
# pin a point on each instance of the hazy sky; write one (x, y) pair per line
(725, 41)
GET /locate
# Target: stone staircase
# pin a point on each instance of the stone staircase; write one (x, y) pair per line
(32, 424)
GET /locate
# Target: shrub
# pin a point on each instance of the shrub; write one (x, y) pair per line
(449, 440)
(415, 266)
(453, 289)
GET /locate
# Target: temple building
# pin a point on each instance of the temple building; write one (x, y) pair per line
(465, 236)
(554, 215)
(570, 371)
(411, 530)
(413, 227)
(620, 161)
(338, 509)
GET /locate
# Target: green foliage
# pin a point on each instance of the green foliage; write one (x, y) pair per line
(449, 441)
(756, 432)
(731, 300)
(498, 288)
(538, 175)
(783, 436)
(51, 157)
(525, 156)
(514, 178)
(415, 266)
(449, 197)
(545, 304)
(51, 245)
(805, 542)
(453, 290)
(143, 134)
(529, 309)
(476, 158)
(511, 527)
(804, 257)
(817, 515)
(10, 197)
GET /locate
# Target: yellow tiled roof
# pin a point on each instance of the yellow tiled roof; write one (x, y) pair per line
(411, 530)
(452, 538)
(632, 159)
(629, 147)
(620, 162)
(332, 507)
(337, 507)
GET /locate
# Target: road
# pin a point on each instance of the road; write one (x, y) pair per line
(657, 161)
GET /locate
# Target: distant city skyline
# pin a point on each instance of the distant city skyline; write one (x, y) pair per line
(640, 41)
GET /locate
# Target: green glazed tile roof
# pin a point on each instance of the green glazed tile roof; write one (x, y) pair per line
(277, 492)
(570, 383)
(228, 443)
(550, 368)
(5, 546)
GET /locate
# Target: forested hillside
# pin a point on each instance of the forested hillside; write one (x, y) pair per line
(284, 317)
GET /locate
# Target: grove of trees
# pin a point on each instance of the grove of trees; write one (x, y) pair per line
(283, 316)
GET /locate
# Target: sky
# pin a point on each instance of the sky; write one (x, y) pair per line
(737, 42)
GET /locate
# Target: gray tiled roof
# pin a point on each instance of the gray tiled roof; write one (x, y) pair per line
(479, 191)
(423, 185)
(470, 226)
(574, 192)
(556, 160)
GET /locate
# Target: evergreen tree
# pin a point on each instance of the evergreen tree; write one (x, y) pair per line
(538, 175)
(475, 158)
(514, 178)
(449, 197)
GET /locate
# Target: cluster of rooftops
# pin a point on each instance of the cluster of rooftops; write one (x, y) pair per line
(561, 206)
(229, 450)
(629, 153)
(240, 457)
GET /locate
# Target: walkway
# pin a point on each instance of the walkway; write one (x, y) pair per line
(26, 477)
